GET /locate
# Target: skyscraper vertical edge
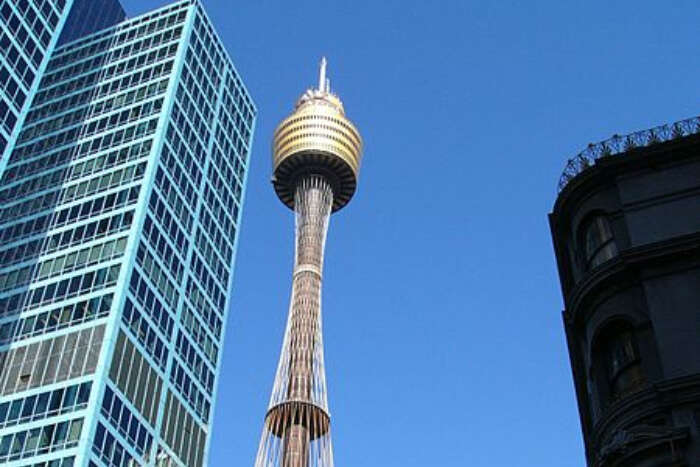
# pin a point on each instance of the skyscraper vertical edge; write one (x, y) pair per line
(113, 323)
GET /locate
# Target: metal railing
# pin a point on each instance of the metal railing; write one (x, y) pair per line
(621, 144)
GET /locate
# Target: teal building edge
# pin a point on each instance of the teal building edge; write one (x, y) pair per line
(239, 220)
(146, 391)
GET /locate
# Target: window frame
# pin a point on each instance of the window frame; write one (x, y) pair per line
(605, 250)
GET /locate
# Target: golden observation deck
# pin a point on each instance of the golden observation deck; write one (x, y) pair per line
(317, 139)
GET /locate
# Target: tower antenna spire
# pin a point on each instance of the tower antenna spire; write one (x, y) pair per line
(323, 82)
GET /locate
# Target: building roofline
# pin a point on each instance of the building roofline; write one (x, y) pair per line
(618, 145)
(609, 165)
(126, 19)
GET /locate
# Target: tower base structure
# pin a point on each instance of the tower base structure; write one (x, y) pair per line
(297, 431)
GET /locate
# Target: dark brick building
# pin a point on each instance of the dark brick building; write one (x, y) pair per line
(626, 232)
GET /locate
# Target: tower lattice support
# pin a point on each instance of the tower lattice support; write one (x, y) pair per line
(297, 426)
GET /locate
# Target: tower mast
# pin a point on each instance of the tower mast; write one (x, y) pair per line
(316, 159)
(322, 76)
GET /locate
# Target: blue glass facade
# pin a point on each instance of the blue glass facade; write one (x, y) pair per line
(29, 31)
(119, 211)
(87, 16)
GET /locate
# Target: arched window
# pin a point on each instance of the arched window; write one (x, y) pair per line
(617, 363)
(623, 363)
(597, 242)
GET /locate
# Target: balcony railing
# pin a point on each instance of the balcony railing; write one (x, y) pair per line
(621, 144)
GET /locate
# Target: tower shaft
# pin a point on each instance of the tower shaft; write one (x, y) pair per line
(313, 201)
(297, 425)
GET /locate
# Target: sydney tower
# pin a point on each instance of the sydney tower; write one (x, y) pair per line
(316, 158)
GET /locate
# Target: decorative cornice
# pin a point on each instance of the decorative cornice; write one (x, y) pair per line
(628, 442)
(645, 403)
(619, 145)
(603, 173)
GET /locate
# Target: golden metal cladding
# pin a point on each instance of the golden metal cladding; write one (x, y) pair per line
(317, 138)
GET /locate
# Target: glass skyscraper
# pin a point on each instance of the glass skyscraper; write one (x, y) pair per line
(29, 32)
(120, 204)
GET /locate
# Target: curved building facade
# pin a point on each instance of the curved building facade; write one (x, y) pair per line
(626, 233)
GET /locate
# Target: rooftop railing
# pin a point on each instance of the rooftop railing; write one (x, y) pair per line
(621, 144)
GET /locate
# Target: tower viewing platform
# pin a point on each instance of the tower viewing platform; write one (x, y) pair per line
(317, 138)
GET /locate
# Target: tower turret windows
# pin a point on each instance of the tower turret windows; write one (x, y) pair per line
(597, 242)
(623, 362)
(617, 363)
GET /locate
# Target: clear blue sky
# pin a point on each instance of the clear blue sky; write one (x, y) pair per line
(442, 307)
